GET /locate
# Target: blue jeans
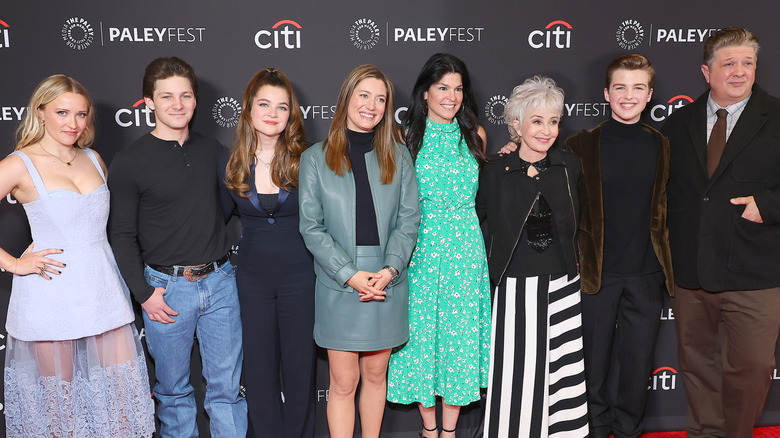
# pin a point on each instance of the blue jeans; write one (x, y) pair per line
(209, 309)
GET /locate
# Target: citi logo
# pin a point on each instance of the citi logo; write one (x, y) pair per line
(284, 34)
(9, 199)
(556, 35)
(663, 379)
(660, 112)
(138, 115)
(5, 40)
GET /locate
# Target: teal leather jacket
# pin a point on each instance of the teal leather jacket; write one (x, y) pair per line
(327, 215)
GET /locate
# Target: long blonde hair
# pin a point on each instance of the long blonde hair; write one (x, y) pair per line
(386, 137)
(32, 129)
(289, 146)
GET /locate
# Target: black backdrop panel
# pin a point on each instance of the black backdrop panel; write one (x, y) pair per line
(106, 46)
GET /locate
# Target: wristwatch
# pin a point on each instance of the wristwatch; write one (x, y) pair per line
(392, 270)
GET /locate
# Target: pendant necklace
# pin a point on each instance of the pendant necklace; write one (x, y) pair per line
(67, 163)
(268, 164)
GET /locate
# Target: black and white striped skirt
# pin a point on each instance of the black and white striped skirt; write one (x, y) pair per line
(537, 370)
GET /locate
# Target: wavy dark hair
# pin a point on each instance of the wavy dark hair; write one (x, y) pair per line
(434, 69)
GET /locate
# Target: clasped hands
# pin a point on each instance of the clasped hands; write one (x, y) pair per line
(371, 285)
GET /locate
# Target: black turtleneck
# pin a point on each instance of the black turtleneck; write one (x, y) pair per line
(629, 159)
(366, 232)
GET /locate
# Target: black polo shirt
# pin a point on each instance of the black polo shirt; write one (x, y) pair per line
(165, 207)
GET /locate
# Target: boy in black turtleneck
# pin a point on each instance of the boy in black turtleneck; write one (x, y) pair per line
(625, 261)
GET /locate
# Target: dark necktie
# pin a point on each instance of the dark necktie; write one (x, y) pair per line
(717, 142)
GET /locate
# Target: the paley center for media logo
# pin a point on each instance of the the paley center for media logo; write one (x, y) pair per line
(364, 34)
(630, 34)
(494, 109)
(77, 33)
(226, 111)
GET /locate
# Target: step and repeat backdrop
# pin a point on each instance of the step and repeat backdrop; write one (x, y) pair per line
(106, 45)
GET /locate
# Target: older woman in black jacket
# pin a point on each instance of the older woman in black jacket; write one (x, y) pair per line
(528, 203)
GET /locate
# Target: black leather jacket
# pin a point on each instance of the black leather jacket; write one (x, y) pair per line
(503, 207)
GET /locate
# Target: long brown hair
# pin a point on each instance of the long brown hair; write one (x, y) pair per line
(289, 146)
(386, 137)
(31, 130)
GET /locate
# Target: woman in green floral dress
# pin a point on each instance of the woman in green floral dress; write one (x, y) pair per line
(448, 351)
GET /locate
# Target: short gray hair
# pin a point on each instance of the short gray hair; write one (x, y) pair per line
(536, 92)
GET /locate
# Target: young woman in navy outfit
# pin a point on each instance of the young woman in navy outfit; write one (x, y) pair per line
(275, 274)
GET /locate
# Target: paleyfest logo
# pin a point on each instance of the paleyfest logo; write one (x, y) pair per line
(494, 109)
(364, 34)
(630, 34)
(694, 35)
(660, 112)
(284, 34)
(12, 113)
(5, 40)
(586, 109)
(556, 35)
(77, 33)
(226, 112)
(155, 34)
(138, 115)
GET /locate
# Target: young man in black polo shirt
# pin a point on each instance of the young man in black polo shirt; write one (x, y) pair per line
(168, 236)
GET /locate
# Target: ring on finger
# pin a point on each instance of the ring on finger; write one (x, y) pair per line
(43, 268)
(41, 273)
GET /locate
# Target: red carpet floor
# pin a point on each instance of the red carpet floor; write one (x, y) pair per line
(759, 432)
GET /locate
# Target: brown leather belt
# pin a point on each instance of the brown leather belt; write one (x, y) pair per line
(192, 273)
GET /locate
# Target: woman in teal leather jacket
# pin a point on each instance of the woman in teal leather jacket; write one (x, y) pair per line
(359, 215)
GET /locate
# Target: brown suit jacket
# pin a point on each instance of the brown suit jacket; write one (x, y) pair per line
(587, 145)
